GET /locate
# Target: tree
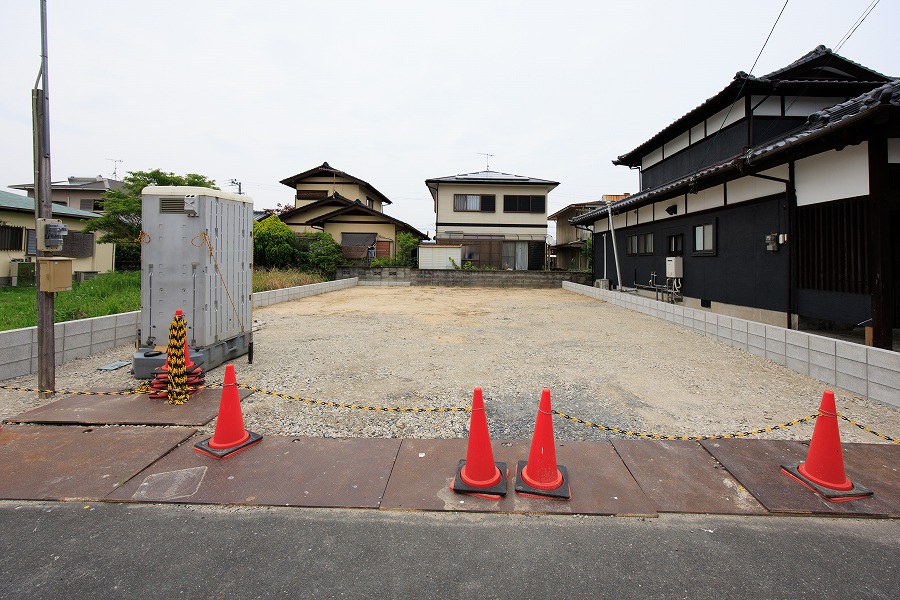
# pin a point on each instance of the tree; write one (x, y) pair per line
(320, 254)
(587, 251)
(274, 244)
(122, 222)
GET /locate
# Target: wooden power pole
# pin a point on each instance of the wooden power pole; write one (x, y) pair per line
(40, 104)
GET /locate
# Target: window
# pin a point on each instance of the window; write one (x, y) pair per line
(704, 239)
(641, 243)
(676, 245)
(11, 238)
(311, 194)
(525, 204)
(30, 243)
(474, 202)
(87, 205)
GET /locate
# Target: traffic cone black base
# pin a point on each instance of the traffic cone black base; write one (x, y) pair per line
(203, 447)
(561, 493)
(857, 492)
(494, 492)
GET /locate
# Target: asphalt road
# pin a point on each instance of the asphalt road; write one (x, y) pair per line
(76, 550)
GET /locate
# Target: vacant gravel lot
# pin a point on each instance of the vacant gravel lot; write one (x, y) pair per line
(429, 347)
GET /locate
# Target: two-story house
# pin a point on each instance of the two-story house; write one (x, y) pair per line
(777, 200)
(499, 219)
(570, 239)
(81, 193)
(346, 207)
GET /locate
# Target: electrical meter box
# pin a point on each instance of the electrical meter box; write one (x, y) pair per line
(196, 256)
(55, 274)
(50, 233)
(674, 267)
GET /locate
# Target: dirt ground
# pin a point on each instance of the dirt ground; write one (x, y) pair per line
(430, 347)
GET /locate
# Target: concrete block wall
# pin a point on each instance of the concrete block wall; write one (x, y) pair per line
(85, 337)
(396, 276)
(869, 372)
(301, 291)
(73, 339)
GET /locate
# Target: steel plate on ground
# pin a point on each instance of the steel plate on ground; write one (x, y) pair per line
(68, 463)
(600, 482)
(131, 409)
(278, 471)
(757, 465)
(682, 477)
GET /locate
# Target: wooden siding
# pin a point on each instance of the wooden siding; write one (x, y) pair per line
(832, 248)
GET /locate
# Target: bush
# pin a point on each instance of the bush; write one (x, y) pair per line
(274, 244)
(320, 254)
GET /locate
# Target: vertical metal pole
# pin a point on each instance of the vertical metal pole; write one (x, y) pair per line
(43, 209)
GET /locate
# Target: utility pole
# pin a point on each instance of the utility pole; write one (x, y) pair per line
(40, 106)
(237, 184)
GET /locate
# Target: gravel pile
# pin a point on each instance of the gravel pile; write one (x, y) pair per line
(430, 347)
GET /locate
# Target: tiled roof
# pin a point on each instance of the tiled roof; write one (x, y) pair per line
(818, 125)
(831, 118)
(326, 169)
(358, 207)
(744, 84)
(10, 201)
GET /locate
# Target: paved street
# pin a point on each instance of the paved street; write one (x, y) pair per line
(79, 550)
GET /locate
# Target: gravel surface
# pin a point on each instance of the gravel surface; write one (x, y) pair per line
(430, 347)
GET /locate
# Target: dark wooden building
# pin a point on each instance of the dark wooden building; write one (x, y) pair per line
(776, 199)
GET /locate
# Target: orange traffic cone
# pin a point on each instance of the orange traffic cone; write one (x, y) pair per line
(478, 474)
(230, 436)
(823, 471)
(540, 475)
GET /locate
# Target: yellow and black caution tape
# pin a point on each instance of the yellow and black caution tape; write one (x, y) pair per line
(176, 386)
(396, 409)
(659, 436)
(142, 389)
(864, 428)
(133, 391)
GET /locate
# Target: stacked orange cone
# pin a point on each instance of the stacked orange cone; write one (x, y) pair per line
(823, 471)
(230, 436)
(159, 384)
(540, 475)
(478, 474)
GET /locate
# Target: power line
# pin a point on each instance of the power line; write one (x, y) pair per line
(856, 25)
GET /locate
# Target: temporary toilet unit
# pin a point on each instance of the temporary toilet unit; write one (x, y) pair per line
(197, 256)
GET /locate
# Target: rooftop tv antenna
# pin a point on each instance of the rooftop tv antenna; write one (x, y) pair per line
(115, 161)
(487, 160)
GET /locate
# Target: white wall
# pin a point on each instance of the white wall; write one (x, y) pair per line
(706, 199)
(833, 175)
(750, 188)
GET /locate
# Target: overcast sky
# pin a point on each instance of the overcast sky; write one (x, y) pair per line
(392, 92)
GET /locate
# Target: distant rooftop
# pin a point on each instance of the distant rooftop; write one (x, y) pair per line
(81, 183)
(490, 177)
(18, 203)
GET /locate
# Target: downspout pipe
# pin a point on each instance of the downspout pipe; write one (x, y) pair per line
(612, 232)
(791, 199)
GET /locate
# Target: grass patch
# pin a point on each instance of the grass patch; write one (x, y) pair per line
(265, 280)
(107, 294)
(114, 293)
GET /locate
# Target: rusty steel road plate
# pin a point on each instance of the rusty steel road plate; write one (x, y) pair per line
(682, 477)
(77, 463)
(757, 465)
(278, 471)
(600, 482)
(132, 409)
